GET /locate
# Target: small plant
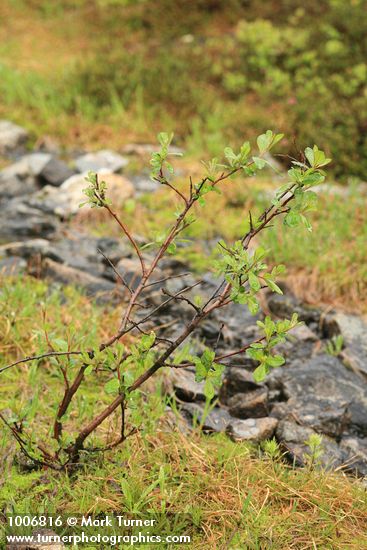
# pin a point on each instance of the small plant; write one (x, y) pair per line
(271, 449)
(130, 362)
(313, 457)
(335, 345)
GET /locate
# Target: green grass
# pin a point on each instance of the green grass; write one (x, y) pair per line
(222, 494)
(122, 70)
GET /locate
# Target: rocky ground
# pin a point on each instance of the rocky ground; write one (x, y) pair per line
(315, 392)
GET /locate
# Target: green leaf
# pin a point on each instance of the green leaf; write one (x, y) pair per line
(310, 156)
(272, 285)
(171, 248)
(164, 139)
(260, 373)
(292, 219)
(259, 162)
(112, 386)
(275, 360)
(245, 151)
(88, 370)
(264, 141)
(146, 341)
(230, 155)
(198, 300)
(254, 282)
(277, 138)
(253, 305)
(209, 389)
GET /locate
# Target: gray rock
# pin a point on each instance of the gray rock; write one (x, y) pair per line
(209, 331)
(100, 161)
(13, 186)
(65, 200)
(130, 269)
(25, 249)
(22, 220)
(55, 172)
(293, 438)
(357, 454)
(29, 165)
(70, 276)
(354, 332)
(249, 405)
(76, 254)
(12, 136)
(326, 395)
(239, 326)
(16, 180)
(252, 429)
(185, 385)
(302, 343)
(237, 380)
(284, 305)
(21, 178)
(144, 185)
(114, 249)
(327, 416)
(11, 266)
(216, 420)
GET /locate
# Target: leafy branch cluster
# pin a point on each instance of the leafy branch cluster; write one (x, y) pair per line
(242, 273)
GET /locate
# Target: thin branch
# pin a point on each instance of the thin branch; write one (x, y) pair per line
(129, 236)
(168, 279)
(119, 276)
(41, 356)
(165, 182)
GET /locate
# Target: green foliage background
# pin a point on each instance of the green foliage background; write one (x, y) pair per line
(215, 71)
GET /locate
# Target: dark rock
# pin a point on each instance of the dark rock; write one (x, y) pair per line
(209, 330)
(216, 420)
(185, 385)
(301, 344)
(130, 269)
(252, 429)
(114, 249)
(11, 266)
(354, 332)
(78, 251)
(21, 178)
(239, 326)
(12, 136)
(237, 380)
(22, 220)
(55, 172)
(71, 276)
(293, 438)
(284, 305)
(326, 416)
(325, 394)
(179, 283)
(249, 405)
(13, 186)
(26, 249)
(79, 254)
(357, 454)
(30, 165)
